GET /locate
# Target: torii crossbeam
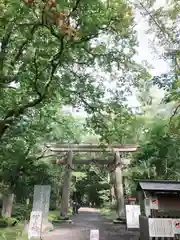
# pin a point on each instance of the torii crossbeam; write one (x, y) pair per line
(92, 148)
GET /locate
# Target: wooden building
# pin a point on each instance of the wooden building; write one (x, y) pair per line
(160, 209)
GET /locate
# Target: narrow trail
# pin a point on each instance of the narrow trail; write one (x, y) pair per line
(87, 219)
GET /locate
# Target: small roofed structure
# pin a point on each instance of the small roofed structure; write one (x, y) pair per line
(155, 195)
(159, 185)
(160, 208)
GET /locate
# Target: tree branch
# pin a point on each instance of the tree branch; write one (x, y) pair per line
(75, 7)
(165, 33)
(28, 150)
(174, 113)
(36, 75)
(24, 44)
(15, 113)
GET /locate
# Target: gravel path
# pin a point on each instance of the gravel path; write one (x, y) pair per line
(89, 218)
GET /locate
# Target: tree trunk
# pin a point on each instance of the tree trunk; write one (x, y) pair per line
(7, 205)
(66, 186)
(119, 192)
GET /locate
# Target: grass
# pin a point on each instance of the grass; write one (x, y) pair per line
(16, 233)
(13, 233)
(108, 213)
(55, 218)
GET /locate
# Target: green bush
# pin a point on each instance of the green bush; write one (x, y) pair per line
(13, 233)
(108, 213)
(3, 223)
(8, 222)
(52, 206)
(21, 211)
(11, 221)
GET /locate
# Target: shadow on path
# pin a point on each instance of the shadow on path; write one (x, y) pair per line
(87, 219)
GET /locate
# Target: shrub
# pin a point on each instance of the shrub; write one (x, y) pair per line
(8, 222)
(52, 206)
(21, 211)
(11, 221)
(3, 223)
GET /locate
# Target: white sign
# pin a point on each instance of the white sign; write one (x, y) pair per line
(176, 226)
(154, 203)
(160, 227)
(94, 234)
(132, 216)
(35, 225)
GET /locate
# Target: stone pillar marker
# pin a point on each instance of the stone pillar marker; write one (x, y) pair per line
(94, 234)
(41, 200)
(35, 225)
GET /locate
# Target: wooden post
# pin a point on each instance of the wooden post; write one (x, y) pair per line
(112, 189)
(118, 185)
(66, 187)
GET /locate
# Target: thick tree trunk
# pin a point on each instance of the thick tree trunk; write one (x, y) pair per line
(66, 186)
(7, 205)
(119, 192)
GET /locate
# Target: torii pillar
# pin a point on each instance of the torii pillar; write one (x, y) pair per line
(66, 186)
(118, 187)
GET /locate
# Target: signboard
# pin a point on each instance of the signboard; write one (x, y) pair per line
(176, 226)
(154, 203)
(132, 216)
(160, 227)
(35, 225)
(94, 234)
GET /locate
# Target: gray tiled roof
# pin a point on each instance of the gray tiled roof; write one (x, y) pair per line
(159, 185)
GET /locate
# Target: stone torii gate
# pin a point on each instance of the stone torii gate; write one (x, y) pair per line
(115, 162)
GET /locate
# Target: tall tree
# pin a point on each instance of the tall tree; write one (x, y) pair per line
(49, 51)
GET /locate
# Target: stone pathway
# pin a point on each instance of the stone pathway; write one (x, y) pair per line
(87, 219)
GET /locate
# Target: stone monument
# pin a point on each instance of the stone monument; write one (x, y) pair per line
(41, 202)
(35, 225)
